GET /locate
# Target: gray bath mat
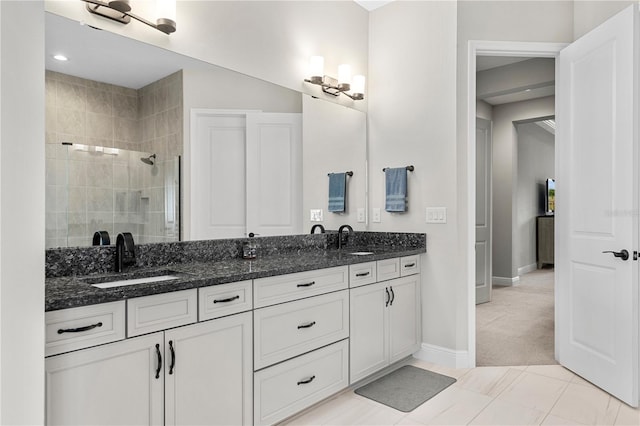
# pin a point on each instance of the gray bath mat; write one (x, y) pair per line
(406, 388)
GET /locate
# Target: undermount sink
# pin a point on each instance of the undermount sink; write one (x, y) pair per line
(361, 253)
(132, 279)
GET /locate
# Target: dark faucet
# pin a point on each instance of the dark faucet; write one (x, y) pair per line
(125, 251)
(317, 225)
(343, 239)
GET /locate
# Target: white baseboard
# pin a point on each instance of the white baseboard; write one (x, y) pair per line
(504, 281)
(527, 268)
(443, 356)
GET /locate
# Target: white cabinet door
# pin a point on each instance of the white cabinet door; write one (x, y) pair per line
(119, 383)
(404, 317)
(209, 372)
(369, 351)
(245, 174)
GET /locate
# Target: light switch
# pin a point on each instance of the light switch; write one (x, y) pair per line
(376, 215)
(361, 217)
(315, 215)
(436, 215)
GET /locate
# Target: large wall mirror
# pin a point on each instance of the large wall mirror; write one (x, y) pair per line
(118, 101)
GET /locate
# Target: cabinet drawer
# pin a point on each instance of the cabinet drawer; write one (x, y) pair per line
(290, 329)
(161, 311)
(362, 273)
(76, 328)
(226, 299)
(409, 265)
(283, 288)
(287, 388)
(388, 269)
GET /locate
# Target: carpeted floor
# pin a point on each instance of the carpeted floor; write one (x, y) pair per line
(517, 326)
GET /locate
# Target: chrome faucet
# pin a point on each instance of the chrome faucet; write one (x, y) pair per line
(125, 251)
(344, 238)
(317, 225)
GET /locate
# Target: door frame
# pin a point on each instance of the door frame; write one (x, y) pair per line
(486, 48)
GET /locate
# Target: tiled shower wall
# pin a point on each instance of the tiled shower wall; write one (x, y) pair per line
(98, 114)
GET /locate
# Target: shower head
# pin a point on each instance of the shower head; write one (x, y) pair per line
(150, 160)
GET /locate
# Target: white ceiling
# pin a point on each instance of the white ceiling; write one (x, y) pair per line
(487, 62)
(515, 93)
(107, 57)
(372, 4)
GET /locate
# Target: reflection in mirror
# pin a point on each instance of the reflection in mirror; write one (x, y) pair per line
(334, 142)
(93, 188)
(117, 92)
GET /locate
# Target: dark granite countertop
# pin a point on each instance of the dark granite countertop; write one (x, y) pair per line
(74, 291)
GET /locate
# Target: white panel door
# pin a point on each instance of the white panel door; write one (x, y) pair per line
(597, 187)
(218, 152)
(246, 174)
(274, 173)
(209, 372)
(483, 211)
(118, 383)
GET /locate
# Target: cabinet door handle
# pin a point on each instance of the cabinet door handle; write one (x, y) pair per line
(308, 325)
(410, 265)
(388, 297)
(306, 284)
(79, 329)
(393, 296)
(228, 299)
(305, 381)
(362, 274)
(173, 357)
(159, 355)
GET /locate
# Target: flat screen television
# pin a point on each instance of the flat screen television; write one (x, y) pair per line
(550, 197)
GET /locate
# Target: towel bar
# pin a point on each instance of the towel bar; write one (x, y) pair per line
(410, 168)
(347, 173)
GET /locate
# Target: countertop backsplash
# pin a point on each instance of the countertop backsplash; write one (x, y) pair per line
(79, 261)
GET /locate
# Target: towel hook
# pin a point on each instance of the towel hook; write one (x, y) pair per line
(409, 168)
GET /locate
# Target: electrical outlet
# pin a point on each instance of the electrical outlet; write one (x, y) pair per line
(361, 217)
(315, 215)
(436, 215)
(376, 215)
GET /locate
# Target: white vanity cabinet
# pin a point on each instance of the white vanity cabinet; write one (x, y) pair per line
(193, 374)
(300, 341)
(118, 383)
(385, 320)
(208, 372)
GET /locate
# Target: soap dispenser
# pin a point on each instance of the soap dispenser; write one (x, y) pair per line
(249, 248)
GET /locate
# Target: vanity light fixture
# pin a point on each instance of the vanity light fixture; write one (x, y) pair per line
(120, 11)
(334, 86)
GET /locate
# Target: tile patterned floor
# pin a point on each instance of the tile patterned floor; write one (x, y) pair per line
(522, 395)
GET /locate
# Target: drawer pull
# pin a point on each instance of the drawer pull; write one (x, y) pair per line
(308, 325)
(393, 296)
(305, 381)
(173, 357)
(79, 329)
(159, 355)
(306, 284)
(362, 274)
(410, 265)
(229, 299)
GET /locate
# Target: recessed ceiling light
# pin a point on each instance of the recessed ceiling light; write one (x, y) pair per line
(61, 58)
(527, 90)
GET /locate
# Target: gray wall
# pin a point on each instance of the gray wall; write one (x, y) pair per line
(536, 158)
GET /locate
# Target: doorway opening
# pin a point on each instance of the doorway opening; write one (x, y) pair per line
(505, 266)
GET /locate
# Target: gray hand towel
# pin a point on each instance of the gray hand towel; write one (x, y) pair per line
(337, 192)
(396, 189)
